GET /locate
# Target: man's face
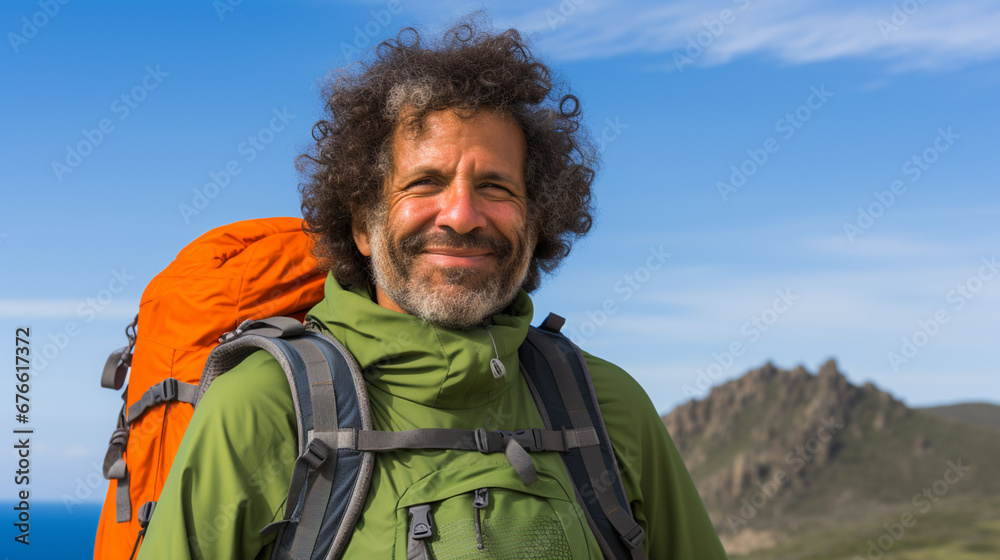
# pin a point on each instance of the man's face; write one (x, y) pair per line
(451, 244)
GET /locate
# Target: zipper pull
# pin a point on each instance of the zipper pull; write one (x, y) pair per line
(479, 502)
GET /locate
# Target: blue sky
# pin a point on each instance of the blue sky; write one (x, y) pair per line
(782, 181)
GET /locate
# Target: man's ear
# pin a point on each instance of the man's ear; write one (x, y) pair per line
(360, 231)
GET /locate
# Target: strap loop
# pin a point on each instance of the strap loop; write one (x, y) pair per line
(521, 462)
(146, 513)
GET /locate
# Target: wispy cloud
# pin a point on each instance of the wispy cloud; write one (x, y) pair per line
(928, 36)
(66, 309)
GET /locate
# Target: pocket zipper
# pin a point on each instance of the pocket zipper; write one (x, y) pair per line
(479, 502)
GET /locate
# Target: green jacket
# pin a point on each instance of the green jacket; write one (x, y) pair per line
(231, 473)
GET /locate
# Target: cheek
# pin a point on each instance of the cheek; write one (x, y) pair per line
(510, 220)
(410, 216)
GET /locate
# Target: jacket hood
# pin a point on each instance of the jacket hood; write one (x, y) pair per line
(408, 358)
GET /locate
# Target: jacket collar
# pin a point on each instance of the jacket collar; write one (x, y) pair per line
(408, 358)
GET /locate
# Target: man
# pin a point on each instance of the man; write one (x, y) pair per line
(445, 182)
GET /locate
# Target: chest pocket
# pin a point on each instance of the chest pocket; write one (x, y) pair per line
(481, 509)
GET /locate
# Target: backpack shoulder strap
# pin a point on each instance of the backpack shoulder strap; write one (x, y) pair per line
(560, 383)
(329, 483)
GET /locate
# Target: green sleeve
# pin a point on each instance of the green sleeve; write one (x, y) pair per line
(230, 476)
(664, 500)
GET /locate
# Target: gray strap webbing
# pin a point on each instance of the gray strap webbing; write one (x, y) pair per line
(623, 522)
(114, 462)
(115, 468)
(417, 550)
(170, 389)
(324, 414)
(123, 502)
(471, 440)
(115, 369)
(521, 462)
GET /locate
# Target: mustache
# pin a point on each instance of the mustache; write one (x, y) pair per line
(416, 243)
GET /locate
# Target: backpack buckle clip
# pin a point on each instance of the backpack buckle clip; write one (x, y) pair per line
(530, 439)
(421, 522)
(164, 391)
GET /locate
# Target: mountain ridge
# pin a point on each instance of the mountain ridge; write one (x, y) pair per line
(778, 453)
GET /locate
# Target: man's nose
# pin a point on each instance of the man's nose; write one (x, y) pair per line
(460, 208)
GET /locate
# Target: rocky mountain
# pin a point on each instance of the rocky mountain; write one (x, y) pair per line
(779, 454)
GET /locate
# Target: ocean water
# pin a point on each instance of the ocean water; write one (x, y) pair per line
(55, 532)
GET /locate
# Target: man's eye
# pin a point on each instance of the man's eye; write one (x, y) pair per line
(422, 184)
(496, 188)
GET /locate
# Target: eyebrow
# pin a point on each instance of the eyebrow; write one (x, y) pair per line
(488, 176)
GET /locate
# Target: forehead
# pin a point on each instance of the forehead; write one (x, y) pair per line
(443, 137)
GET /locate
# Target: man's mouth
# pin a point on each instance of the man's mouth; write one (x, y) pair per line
(453, 256)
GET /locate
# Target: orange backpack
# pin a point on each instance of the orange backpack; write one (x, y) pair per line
(248, 270)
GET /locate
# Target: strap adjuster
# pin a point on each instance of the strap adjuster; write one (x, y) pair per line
(635, 538)
(315, 454)
(482, 440)
(232, 335)
(164, 391)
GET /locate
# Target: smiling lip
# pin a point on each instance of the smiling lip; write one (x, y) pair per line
(448, 256)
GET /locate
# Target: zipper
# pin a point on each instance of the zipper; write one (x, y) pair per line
(479, 502)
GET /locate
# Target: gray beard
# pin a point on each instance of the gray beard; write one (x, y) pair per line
(462, 301)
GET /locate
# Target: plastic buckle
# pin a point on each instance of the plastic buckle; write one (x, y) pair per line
(169, 389)
(231, 335)
(240, 330)
(164, 391)
(315, 454)
(530, 439)
(636, 537)
(421, 522)
(482, 441)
